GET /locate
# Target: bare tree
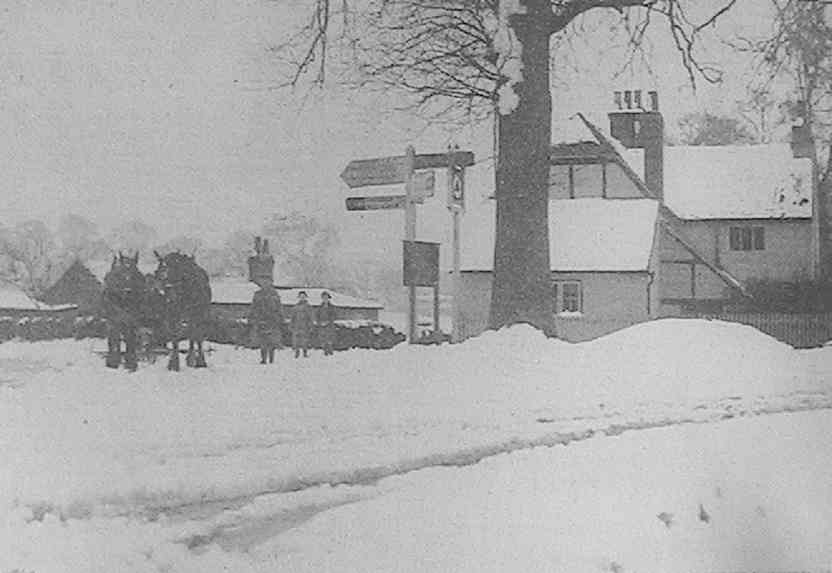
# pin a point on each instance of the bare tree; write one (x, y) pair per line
(488, 58)
(134, 236)
(301, 246)
(799, 50)
(79, 238)
(32, 254)
(705, 128)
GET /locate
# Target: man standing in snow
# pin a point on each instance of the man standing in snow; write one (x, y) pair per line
(303, 319)
(326, 323)
(266, 316)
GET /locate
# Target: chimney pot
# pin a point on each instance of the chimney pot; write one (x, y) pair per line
(654, 100)
(616, 99)
(628, 99)
(637, 99)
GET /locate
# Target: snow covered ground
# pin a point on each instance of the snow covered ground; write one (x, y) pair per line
(646, 450)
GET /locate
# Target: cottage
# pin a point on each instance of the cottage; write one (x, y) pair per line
(604, 260)
(722, 217)
(750, 206)
(729, 215)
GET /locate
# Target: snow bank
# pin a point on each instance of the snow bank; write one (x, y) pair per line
(91, 452)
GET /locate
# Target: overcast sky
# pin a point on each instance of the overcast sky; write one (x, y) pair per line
(122, 109)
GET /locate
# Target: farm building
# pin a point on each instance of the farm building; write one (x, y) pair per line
(14, 302)
(231, 298)
(78, 286)
(21, 316)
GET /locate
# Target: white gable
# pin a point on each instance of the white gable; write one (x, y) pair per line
(584, 235)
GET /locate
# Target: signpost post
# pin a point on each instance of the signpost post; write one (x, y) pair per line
(410, 235)
(417, 186)
(456, 204)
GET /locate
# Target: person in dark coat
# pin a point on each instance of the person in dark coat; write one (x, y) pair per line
(303, 320)
(326, 323)
(266, 317)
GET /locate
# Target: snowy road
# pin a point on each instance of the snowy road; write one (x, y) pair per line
(241, 466)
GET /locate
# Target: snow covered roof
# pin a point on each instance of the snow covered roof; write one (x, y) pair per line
(733, 181)
(717, 182)
(12, 297)
(240, 291)
(591, 234)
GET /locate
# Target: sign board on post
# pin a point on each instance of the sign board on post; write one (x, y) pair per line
(423, 185)
(373, 203)
(393, 170)
(421, 263)
(456, 187)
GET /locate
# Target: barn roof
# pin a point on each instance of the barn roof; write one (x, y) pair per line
(593, 235)
(77, 281)
(241, 291)
(12, 297)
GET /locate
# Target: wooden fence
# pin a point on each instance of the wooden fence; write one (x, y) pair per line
(798, 330)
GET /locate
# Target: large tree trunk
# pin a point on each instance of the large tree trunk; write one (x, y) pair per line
(522, 279)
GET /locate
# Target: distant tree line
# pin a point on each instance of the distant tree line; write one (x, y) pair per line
(33, 255)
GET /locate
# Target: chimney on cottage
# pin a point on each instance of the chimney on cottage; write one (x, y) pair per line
(639, 128)
(261, 263)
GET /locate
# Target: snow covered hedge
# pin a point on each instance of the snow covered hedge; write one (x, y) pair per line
(49, 327)
(348, 334)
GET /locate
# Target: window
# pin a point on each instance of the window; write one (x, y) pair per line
(746, 238)
(568, 297)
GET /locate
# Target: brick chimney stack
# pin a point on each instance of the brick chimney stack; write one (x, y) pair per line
(261, 263)
(639, 128)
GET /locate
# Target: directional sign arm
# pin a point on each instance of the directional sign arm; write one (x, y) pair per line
(392, 170)
(375, 203)
(437, 160)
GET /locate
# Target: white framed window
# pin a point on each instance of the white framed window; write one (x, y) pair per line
(746, 238)
(568, 297)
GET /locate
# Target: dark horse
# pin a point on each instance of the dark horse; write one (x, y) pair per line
(186, 295)
(122, 306)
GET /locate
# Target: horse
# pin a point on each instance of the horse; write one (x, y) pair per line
(186, 294)
(122, 306)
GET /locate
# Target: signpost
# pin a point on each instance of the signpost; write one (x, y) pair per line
(404, 169)
(456, 205)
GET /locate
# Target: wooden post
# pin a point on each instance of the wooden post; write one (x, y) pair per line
(817, 213)
(457, 281)
(410, 235)
(437, 328)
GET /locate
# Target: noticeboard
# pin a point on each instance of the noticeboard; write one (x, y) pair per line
(421, 263)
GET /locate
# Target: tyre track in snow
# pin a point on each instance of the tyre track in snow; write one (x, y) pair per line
(244, 534)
